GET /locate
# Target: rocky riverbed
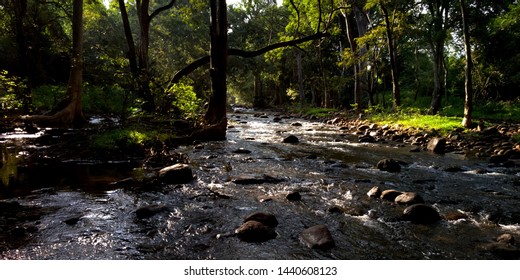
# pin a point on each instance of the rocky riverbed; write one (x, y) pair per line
(279, 187)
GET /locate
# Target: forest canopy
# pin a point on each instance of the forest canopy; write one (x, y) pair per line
(180, 58)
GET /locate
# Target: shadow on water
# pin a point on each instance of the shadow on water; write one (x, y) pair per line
(73, 210)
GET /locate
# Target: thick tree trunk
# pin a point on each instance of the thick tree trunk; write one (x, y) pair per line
(468, 105)
(72, 115)
(216, 113)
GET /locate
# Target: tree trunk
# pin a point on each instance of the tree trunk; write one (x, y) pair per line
(468, 105)
(216, 113)
(396, 91)
(300, 76)
(439, 12)
(72, 115)
(353, 47)
(132, 59)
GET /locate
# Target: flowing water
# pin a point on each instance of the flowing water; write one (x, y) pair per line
(76, 211)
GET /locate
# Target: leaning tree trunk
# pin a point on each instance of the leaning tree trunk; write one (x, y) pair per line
(218, 63)
(468, 105)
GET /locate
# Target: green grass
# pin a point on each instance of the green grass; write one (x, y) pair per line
(442, 124)
(317, 112)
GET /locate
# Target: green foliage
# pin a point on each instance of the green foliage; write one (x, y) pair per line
(124, 138)
(184, 101)
(47, 97)
(12, 90)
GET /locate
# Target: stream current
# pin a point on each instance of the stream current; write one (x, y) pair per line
(77, 212)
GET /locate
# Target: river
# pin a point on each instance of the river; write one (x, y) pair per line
(77, 211)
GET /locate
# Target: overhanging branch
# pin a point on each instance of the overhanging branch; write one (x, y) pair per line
(242, 53)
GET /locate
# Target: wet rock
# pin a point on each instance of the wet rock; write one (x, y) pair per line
(421, 214)
(241, 151)
(409, 198)
(374, 192)
(255, 232)
(296, 124)
(366, 139)
(176, 174)
(390, 195)
(255, 179)
(291, 139)
(294, 196)
(317, 237)
(453, 169)
(18, 232)
(506, 238)
(149, 211)
(437, 145)
(503, 251)
(389, 165)
(267, 219)
(455, 215)
(72, 221)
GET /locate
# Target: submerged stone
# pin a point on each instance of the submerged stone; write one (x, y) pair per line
(389, 165)
(317, 237)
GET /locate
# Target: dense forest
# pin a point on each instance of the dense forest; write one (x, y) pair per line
(190, 58)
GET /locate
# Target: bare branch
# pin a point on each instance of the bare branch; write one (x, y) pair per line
(162, 9)
(246, 54)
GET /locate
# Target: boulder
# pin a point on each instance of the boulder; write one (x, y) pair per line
(421, 214)
(255, 232)
(317, 237)
(409, 198)
(389, 165)
(267, 219)
(390, 195)
(294, 196)
(291, 139)
(374, 192)
(176, 174)
(437, 145)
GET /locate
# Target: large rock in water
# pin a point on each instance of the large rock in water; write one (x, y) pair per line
(255, 232)
(267, 219)
(409, 198)
(421, 214)
(389, 165)
(437, 145)
(176, 174)
(317, 237)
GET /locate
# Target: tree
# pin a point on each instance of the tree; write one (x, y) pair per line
(72, 114)
(468, 88)
(140, 68)
(437, 33)
(216, 112)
